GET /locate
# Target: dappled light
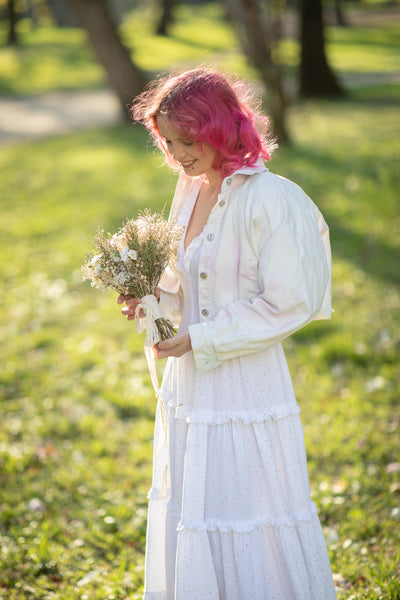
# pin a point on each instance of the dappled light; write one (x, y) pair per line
(77, 404)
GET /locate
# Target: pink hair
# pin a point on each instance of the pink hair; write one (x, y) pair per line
(206, 106)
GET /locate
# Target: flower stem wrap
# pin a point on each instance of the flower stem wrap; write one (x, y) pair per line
(151, 308)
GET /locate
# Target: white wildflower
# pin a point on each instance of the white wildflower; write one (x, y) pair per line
(118, 239)
(95, 260)
(125, 253)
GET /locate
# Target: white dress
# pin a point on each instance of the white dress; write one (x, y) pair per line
(236, 521)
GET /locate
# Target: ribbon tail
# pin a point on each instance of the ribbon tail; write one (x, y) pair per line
(150, 306)
(163, 413)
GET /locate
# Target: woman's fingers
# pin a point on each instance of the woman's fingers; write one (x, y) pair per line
(176, 346)
(128, 312)
(131, 304)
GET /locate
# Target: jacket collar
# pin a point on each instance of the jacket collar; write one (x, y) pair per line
(259, 167)
(239, 176)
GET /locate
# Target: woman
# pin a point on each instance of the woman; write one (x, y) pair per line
(236, 521)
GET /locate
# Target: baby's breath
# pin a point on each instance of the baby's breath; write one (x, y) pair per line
(132, 260)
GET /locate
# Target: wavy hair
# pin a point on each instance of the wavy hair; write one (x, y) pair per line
(206, 106)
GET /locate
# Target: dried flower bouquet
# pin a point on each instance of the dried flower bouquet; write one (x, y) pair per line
(132, 260)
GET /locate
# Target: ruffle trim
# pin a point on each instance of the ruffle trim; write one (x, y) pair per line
(237, 526)
(245, 416)
(247, 526)
(191, 249)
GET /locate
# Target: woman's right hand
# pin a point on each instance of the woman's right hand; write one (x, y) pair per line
(131, 303)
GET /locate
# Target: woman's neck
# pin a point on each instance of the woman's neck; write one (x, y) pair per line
(214, 181)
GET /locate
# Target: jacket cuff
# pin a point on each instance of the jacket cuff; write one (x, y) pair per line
(203, 347)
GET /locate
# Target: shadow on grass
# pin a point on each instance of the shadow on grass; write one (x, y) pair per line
(363, 36)
(376, 257)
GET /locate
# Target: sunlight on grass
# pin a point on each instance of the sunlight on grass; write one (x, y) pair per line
(48, 59)
(77, 406)
(51, 58)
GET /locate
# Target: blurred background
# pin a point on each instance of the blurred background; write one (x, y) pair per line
(76, 401)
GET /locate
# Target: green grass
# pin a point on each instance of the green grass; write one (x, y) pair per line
(48, 59)
(77, 406)
(51, 58)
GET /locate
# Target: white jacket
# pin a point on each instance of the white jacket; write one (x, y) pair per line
(265, 266)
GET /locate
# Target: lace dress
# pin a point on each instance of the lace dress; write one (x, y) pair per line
(237, 521)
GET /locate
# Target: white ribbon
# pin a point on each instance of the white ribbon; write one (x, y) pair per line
(151, 308)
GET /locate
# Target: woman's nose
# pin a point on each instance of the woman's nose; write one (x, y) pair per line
(178, 152)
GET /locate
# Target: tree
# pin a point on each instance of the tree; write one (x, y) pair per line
(12, 38)
(258, 44)
(166, 17)
(341, 20)
(316, 76)
(124, 76)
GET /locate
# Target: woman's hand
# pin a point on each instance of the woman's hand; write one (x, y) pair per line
(176, 346)
(131, 303)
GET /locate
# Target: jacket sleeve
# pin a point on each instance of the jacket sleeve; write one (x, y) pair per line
(293, 279)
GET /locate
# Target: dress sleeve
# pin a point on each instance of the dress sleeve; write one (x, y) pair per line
(171, 297)
(287, 232)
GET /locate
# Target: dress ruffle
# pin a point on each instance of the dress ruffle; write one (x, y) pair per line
(276, 413)
(250, 525)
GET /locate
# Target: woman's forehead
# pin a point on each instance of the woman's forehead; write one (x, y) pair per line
(168, 129)
(166, 126)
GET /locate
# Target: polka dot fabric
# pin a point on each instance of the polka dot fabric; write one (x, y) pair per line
(237, 521)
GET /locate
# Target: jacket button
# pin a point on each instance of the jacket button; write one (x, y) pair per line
(222, 203)
(204, 312)
(203, 275)
(210, 237)
(229, 181)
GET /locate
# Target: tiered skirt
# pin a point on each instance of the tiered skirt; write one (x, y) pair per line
(235, 521)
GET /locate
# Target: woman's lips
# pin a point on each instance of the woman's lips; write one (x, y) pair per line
(187, 165)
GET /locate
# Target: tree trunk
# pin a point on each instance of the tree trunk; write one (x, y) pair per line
(256, 39)
(124, 76)
(166, 17)
(12, 39)
(316, 76)
(339, 14)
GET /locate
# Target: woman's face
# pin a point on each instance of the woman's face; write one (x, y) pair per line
(195, 159)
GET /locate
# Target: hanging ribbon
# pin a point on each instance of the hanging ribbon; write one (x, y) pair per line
(151, 308)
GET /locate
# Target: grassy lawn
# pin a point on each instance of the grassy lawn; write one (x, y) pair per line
(51, 58)
(77, 406)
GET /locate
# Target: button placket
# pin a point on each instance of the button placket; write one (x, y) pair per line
(207, 256)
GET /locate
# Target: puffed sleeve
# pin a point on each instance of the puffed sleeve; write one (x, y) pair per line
(171, 297)
(291, 240)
